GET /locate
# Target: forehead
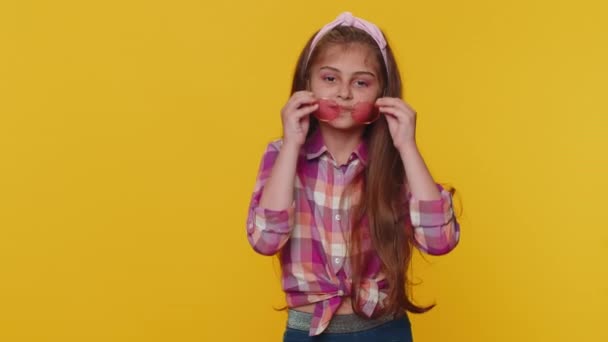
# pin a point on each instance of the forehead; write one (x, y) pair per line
(348, 56)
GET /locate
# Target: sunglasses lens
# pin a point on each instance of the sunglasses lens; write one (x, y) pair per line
(328, 110)
(365, 112)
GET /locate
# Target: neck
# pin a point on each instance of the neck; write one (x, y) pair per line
(341, 143)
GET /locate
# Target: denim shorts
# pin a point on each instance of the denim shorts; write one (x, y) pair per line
(393, 330)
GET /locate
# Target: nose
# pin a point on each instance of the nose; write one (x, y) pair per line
(345, 91)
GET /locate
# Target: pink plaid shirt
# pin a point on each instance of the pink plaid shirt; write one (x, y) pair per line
(311, 232)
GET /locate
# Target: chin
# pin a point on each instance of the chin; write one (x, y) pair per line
(344, 124)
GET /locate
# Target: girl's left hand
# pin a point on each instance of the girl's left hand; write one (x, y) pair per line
(401, 120)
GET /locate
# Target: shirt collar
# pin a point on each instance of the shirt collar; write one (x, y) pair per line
(314, 147)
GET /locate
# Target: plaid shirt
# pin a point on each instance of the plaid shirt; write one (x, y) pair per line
(311, 232)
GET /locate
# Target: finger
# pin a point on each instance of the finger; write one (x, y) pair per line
(408, 107)
(391, 120)
(301, 99)
(305, 111)
(395, 102)
(387, 101)
(303, 125)
(300, 95)
(392, 111)
(301, 92)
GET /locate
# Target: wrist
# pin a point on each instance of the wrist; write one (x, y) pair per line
(291, 145)
(408, 148)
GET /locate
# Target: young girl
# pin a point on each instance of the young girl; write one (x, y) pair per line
(345, 195)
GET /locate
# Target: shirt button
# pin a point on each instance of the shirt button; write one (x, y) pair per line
(337, 260)
(338, 217)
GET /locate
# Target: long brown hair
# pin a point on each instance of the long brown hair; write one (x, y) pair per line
(382, 205)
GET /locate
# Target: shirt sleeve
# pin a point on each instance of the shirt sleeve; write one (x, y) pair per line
(436, 230)
(268, 230)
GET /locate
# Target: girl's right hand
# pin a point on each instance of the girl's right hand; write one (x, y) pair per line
(295, 116)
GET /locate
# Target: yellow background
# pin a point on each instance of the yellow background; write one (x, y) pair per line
(131, 132)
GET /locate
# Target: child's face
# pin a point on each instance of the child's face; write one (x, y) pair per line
(346, 74)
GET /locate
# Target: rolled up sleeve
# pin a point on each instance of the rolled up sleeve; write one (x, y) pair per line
(436, 230)
(268, 230)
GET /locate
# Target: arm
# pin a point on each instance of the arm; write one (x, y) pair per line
(271, 211)
(436, 230)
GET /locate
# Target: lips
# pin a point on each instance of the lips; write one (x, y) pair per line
(362, 112)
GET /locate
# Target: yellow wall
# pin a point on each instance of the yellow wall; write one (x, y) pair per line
(131, 131)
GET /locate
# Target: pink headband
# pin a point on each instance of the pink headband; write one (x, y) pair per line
(347, 19)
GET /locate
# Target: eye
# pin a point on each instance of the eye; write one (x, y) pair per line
(361, 84)
(329, 78)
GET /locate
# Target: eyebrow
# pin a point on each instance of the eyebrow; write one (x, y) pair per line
(355, 73)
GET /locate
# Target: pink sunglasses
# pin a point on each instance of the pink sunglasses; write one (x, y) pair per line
(362, 112)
